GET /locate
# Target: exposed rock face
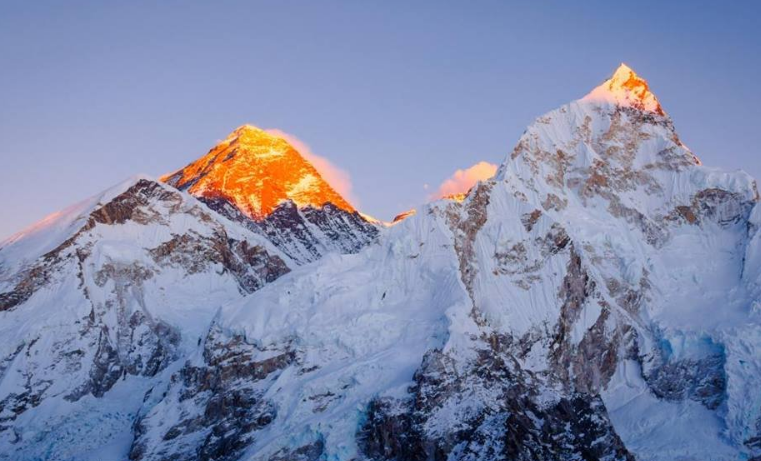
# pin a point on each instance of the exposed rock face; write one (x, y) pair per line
(492, 405)
(251, 265)
(115, 317)
(499, 414)
(404, 215)
(306, 234)
(310, 452)
(222, 402)
(135, 205)
(189, 251)
(465, 225)
(29, 281)
(260, 180)
(702, 380)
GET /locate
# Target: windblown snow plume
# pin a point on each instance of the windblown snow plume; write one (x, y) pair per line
(462, 180)
(338, 178)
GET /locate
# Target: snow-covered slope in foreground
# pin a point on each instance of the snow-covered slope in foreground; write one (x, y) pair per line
(594, 300)
(97, 305)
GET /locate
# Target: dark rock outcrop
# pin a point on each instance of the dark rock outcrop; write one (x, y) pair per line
(497, 411)
(222, 400)
(305, 234)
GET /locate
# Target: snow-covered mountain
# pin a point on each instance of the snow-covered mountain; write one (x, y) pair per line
(596, 300)
(260, 180)
(99, 302)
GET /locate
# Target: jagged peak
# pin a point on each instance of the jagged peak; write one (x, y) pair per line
(599, 144)
(627, 89)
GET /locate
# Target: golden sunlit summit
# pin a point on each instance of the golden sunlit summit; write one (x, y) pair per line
(256, 171)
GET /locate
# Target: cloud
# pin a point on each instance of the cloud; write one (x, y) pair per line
(462, 180)
(337, 178)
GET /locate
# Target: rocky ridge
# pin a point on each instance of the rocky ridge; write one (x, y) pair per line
(260, 180)
(596, 300)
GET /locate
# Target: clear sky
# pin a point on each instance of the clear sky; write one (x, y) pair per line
(397, 94)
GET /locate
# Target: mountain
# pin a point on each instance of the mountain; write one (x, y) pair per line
(100, 302)
(597, 299)
(260, 180)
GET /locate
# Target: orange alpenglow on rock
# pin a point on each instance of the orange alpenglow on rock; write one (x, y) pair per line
(627, 89)
(256, 171)
(459, 197)
(404, 215)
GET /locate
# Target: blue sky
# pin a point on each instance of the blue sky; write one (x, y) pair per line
(397, 94)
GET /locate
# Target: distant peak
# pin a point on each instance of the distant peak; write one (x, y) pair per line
(256, 171)
(627, 89)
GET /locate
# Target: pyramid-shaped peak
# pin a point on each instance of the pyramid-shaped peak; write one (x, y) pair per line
(627, 89)
(256, 170)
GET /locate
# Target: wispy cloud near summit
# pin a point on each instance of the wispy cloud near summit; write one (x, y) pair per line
(462, 180)
(338, 178)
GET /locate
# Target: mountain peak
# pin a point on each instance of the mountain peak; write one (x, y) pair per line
(256, 171)
(627, 89)
(256, 140)
(624, 72)
(249, 131)
(248, 128)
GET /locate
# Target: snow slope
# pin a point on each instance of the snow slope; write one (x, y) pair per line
(99, 303)
(597, 299)
(603, 270)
